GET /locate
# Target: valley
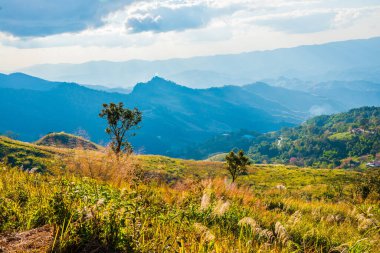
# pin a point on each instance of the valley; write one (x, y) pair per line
(189, 126)
(195, 115)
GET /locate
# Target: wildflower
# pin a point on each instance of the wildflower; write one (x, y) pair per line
(221, 208)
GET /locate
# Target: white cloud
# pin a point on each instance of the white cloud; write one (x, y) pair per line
(185, 28)
(102, 37)
(345, 17)
(310, 21)
(165, 16)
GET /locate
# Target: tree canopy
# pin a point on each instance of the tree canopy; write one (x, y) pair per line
(237, 164)
(120, 121)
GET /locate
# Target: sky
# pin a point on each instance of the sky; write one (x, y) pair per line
(75, 31)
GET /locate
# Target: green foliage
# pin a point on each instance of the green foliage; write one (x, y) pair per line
(237, 164)
(322, 141)
(369, 183)
(120, 121)
(345, 136)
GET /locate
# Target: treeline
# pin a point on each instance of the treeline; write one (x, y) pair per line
(323, 141)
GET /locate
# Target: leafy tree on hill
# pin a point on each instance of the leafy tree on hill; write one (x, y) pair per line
(237, 164)
(322, 141)
(120, 121)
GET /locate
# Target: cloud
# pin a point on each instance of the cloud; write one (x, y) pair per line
(299, 22)
(165, 19)
(41, 18)
(347, 16)
(101, 37)
(165, 16)
(46, 17)
(52, 31)
(318, 20)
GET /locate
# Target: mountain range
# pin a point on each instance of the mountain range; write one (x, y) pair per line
(174, 116)
(345, 60)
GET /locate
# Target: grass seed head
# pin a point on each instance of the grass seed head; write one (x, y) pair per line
(281, 234)
(203, 232)
(248, 221)
(221, 208)
(205, 202)
(295, 218)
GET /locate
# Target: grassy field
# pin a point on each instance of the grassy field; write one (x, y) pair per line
(94, 202)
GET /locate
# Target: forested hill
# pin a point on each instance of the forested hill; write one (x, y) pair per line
(323, 140)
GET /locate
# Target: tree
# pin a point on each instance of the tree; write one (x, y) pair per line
(120, 121)
(237, 164)
(369, 183)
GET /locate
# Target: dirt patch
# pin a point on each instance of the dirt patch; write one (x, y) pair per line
(35, 240)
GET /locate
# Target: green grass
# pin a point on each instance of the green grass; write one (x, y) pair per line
(341, 136)
(159, 204)
(65, 140)
(217, 158)
(26, 155)
(174, 169)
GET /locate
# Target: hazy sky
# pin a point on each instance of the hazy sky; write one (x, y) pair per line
(73, 31)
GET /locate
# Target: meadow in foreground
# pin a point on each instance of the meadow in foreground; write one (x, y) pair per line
(97, 203)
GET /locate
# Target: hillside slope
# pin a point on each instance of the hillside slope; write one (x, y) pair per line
(64, 140)
(26, 155)
(323, 140)
(174, 205)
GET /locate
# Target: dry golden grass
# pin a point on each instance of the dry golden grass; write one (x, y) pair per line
(97, 201)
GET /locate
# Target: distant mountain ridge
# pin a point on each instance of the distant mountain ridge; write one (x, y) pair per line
(35, 107)
(174, 116)
(343, 60)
